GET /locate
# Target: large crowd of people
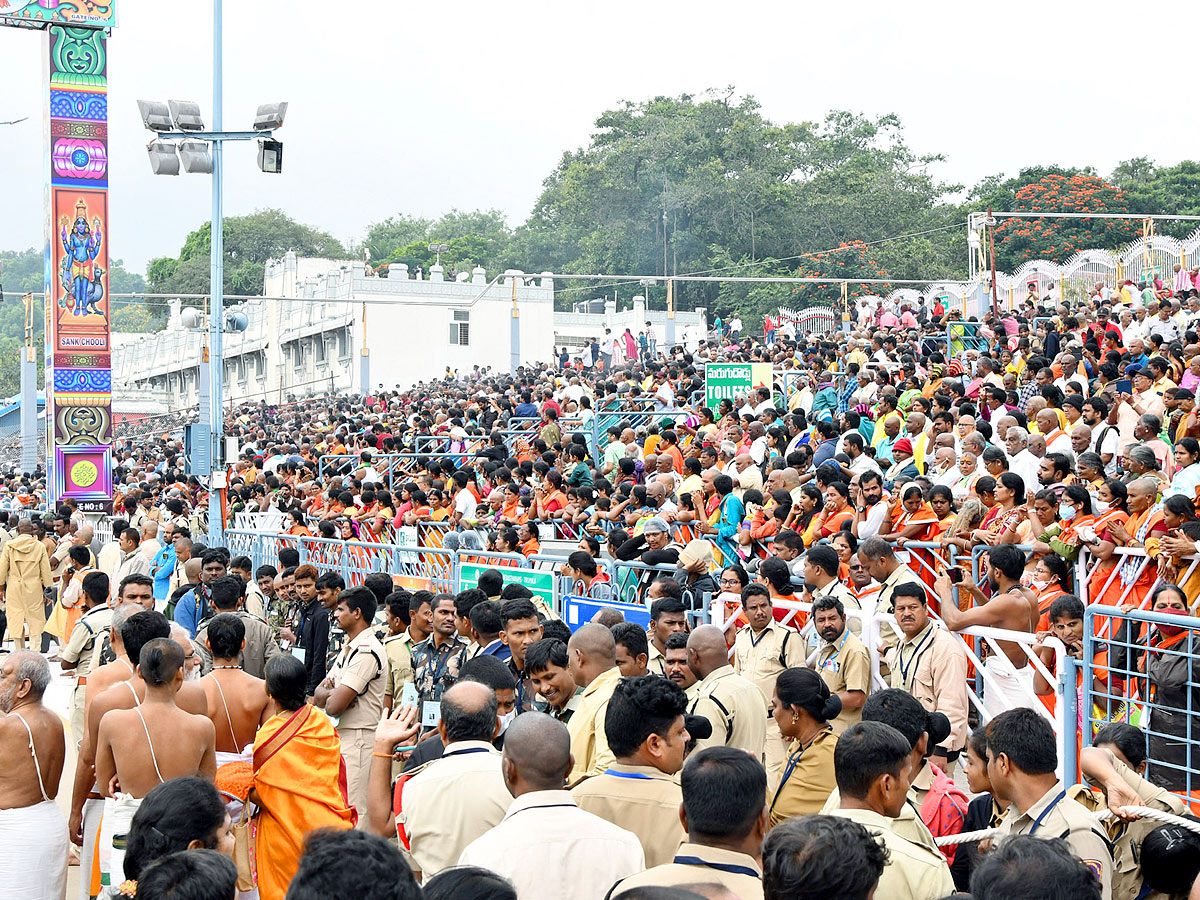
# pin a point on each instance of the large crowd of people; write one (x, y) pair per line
(801, 718)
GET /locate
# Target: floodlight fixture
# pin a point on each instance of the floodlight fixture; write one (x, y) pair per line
(156, 115)
(270, 116)
(236, 321)
(163, 158)
(197, 160)
(270, 156)
(186, 115)
(439, 249)
(191, 318)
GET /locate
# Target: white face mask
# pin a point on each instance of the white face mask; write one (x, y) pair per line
(1101, 507)
(506, 720)
(1038, 585)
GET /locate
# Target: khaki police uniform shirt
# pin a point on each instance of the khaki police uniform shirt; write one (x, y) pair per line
(809, 772)
(839, 591)
(698, 864)
(362, 666)
(86, 638)
(1055, 816)
(656, 662)
(398, 648)
(933, 668)
(845, 665)
(261, 646)
(913, 872)
(640, 799)
(761, 657)
(1128, 836)
(734, 705)
(889, 634)
(909, 824)
(589, 745)
(448, 802)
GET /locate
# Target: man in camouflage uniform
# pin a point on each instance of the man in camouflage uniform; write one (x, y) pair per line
(436, 661)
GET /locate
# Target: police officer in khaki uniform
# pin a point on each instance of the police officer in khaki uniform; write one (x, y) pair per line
(930, 664)
(648, 736)
(409, 630)
(881, 563)
(1123, 786)
(84, 643)
(352, 693)
(1022, 755)
(449, 802)
(732, 703)
(842, 661)
(724, 793)
(871, 765)
(762, 650)
(822, 566)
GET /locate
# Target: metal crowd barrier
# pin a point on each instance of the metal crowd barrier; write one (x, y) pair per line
(330, 461)
(1149, 679)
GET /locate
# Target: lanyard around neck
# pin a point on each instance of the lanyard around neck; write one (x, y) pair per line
(1053, 803)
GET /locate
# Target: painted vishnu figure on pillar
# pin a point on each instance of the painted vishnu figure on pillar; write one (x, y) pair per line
(80, 276)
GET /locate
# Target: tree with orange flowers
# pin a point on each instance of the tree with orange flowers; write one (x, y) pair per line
(1057, 239)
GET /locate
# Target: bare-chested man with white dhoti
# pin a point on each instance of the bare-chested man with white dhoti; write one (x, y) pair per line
(130, 632)
(237, 702)
(138, 749)
(33, 833)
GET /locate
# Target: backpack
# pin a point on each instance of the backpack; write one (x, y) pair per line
(944, 809)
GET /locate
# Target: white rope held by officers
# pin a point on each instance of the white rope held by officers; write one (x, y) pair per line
(1141, 812)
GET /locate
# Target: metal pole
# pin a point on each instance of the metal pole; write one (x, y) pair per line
(216, 313)
(364, 373)
(29, 406)
(670, 329)
(515, 338)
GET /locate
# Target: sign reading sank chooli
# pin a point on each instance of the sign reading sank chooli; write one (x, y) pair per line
(727, 381)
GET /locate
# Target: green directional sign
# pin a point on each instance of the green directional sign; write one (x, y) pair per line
(539, 582)
(727, 381)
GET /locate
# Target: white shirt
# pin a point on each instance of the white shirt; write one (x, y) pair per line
(546, 841)
(874, 521)
(1026, 465)
(758, 450)
(735, 324)
(464, 503)
(863, 463)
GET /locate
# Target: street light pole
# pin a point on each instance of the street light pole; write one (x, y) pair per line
(216, 317)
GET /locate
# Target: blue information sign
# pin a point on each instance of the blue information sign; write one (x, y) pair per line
(579, 611)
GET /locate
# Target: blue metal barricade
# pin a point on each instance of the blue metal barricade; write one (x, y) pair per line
(1147, 674)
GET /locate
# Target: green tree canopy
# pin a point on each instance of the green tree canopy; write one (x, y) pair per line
(1174, 190)
(478, 238)
(679, 185)
(249, 241)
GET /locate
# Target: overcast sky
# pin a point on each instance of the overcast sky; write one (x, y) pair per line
(421, 107)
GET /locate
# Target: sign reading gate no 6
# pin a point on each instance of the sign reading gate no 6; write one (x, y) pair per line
(727, 381)
(540, 583)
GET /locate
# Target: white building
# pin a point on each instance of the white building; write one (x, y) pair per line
(415, 329)
(306, 336)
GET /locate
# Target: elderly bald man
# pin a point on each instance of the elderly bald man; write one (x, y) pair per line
(732, 703)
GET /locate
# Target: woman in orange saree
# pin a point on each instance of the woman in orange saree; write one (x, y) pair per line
(299, 779)
(913, 519)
